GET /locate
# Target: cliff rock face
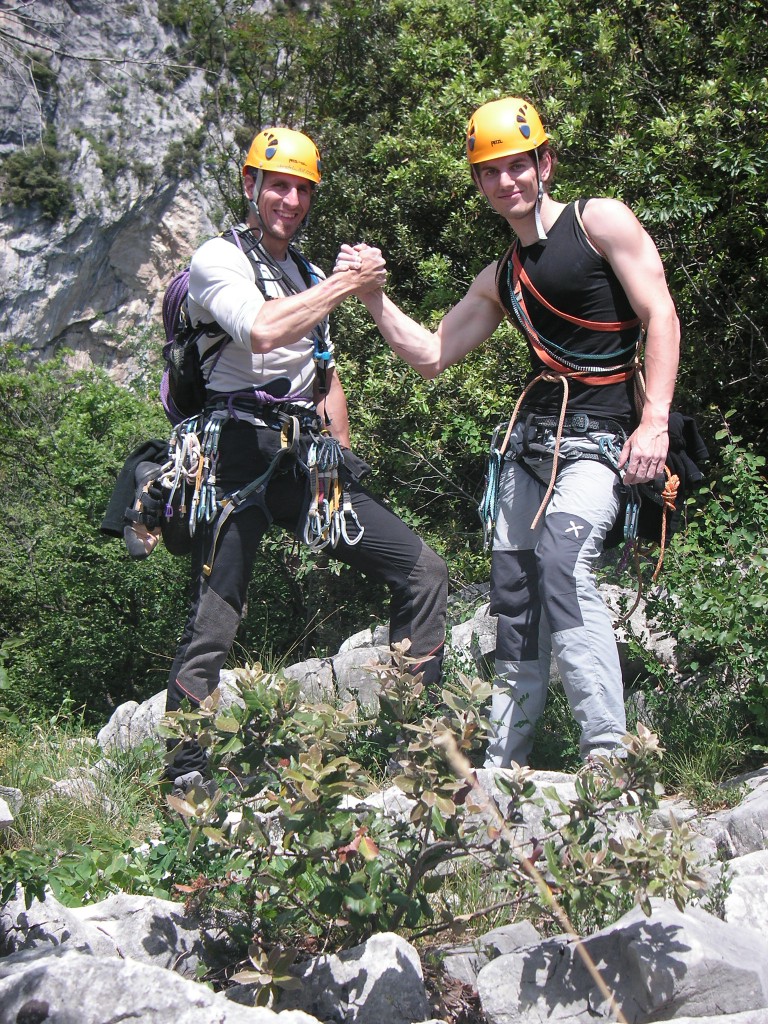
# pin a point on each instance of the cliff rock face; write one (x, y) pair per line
(90, 106)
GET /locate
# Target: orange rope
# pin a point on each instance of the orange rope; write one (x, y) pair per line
(668, 497)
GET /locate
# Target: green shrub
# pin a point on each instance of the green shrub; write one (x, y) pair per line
(35, 176)
(713, 600)
(308, 855)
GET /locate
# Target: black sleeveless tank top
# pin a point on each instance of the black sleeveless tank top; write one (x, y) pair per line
(574, 278)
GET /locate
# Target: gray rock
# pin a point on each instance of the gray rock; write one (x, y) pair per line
(744, 828)
(659, 968)
(6, 815)
(362, 639)
(747, 902)
(84, 280)
(527, 820)
(132, 723)
(747, 1017)
(315, 678)
(651, 634)
(356, 676)
(147, 929)
(47, 925)
(69, 987)
(381, 635)
(379, 982)
(13, 798)
(140, 927)
(465, 962)
(677, 808)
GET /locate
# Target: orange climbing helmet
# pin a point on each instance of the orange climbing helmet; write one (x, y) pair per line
(502, 128)
(283, 149)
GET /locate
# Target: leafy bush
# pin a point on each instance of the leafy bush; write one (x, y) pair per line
(83, 618)
(34, 176)
(713, 601)
(310, 852)
(299, 842)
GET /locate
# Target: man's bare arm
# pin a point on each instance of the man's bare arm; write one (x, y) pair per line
(637, 264)
(284, 321)
(471, 322)
(333, 407)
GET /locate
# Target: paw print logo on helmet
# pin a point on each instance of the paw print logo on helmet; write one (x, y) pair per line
(502, 128)
(271, 147)
(522, 121)
(283, 149)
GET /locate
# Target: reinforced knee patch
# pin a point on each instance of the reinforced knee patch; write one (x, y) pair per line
(557, 553)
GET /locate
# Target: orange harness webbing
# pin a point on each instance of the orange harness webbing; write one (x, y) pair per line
(611, 375)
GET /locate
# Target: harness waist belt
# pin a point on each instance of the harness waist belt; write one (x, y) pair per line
(271, 412)
(575, 423)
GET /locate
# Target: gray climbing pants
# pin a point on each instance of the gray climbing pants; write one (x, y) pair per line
(544, 593)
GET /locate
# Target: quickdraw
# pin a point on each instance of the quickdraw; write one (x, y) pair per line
(488, 508)
(183, 471)
(206, 509)
(330, 516)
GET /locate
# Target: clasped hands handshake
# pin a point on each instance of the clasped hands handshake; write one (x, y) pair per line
(367, 263)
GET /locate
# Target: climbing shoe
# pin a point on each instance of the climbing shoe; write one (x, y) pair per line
(194, 784)
(145, 515)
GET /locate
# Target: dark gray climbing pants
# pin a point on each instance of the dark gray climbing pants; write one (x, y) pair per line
(389, 551)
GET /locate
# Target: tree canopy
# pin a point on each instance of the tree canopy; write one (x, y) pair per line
(660, 105)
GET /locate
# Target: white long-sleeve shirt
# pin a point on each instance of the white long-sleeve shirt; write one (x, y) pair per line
(222, 289)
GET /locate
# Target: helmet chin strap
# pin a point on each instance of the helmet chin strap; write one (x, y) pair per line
(537, 210)
(253, 202)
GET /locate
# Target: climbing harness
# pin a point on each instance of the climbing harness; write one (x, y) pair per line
(559, 368)
(188, 476)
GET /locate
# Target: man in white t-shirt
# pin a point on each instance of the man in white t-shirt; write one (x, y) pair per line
(273, 386)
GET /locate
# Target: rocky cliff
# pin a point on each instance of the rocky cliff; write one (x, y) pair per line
(99, 206)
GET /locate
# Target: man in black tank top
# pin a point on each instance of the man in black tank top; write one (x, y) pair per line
(584, 283)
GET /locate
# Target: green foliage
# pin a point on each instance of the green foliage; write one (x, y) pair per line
(717, 575)
(105, 834)
(713, 603)
(43, 75)
(310, 851)
(35, 176)
(600, 878)
(298, 842)
(114, 797)
(83, 618)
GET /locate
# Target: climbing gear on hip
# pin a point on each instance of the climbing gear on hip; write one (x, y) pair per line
(488, 509)
(330, 516)
(542, 437)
